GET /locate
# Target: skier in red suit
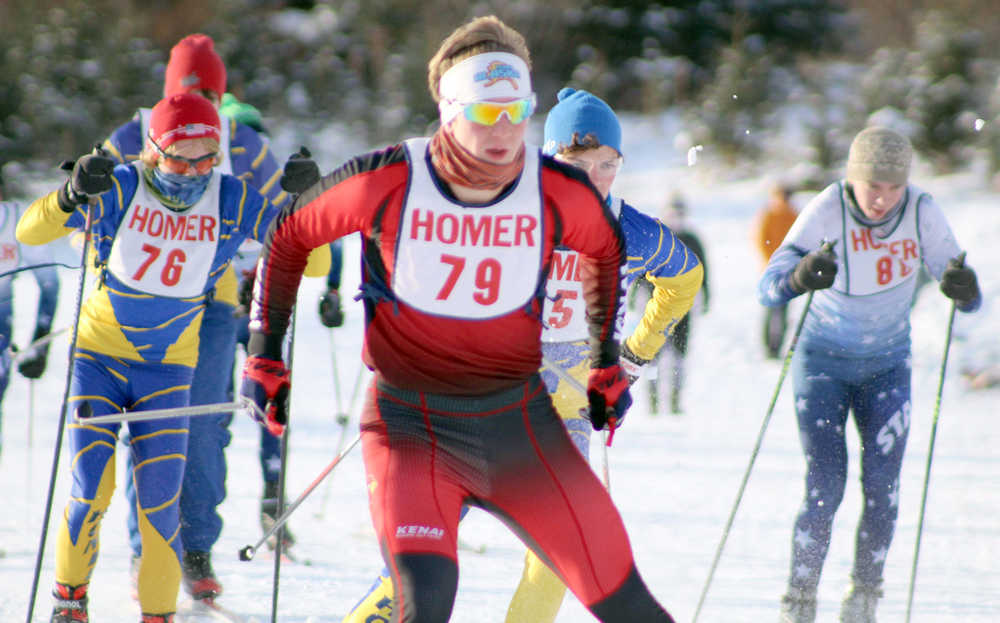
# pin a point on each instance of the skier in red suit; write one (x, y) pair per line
(458, 232)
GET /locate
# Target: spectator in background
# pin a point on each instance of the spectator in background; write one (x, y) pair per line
(769, 229)
(13, 256)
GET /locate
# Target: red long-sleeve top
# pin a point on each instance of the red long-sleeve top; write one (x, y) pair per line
(413, 349)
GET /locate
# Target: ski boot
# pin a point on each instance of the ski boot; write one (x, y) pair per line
(157, 618)
(70, 604)
(269, 514)
(798, 606)
(199, 579)
(860, 602)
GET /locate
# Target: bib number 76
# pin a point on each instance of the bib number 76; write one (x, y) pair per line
(173, 264)
(487, 279)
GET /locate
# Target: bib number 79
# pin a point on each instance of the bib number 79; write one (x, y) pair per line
(487, 279)
(173, 264)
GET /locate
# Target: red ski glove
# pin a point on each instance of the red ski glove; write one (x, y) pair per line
(266, 383)
(609, 398)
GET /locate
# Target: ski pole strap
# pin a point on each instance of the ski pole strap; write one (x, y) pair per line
(159, 414)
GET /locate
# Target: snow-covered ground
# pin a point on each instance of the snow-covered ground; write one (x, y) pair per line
(674, 478)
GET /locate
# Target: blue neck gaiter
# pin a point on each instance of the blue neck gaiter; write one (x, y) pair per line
(178, 189)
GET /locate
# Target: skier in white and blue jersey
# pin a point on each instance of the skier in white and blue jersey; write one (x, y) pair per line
(859, 246)
(14, 258)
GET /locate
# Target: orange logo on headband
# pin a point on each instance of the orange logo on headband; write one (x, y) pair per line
(497, 71)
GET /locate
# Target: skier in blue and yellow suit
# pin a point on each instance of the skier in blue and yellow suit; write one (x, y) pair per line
(195, 67)
(582, 130)
(164, 229)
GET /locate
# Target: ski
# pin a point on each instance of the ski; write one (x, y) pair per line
(202, 610)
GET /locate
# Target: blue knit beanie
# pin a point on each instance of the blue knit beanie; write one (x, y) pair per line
(580, 113)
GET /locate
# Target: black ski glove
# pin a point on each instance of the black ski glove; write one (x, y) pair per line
(815, 271)
(244, 295)
(32, 363)
(300, 172)
(959, 283)
(90, 175)
(330, 312)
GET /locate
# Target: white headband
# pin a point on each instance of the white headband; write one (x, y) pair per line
(488, 76)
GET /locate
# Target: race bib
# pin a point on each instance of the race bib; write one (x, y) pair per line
(564, 314)
(159, 251)
(468, 262)
(876, 264)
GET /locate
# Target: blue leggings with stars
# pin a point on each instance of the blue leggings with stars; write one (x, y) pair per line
(877, 392)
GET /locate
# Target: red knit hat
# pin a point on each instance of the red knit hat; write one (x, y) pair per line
(181, 117)
(194, 64)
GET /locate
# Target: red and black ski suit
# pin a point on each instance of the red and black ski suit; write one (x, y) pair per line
(457, 413)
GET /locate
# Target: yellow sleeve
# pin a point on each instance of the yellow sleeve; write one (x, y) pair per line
(43, 221)
(318, 264)
(672, 298)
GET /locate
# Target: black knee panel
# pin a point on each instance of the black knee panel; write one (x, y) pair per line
(425, 588)
(630, 603)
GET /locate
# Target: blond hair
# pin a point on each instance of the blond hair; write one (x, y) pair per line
(481, 35)
(149, 156)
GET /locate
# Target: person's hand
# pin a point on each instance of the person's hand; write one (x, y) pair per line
(632, 364)
(89, 175)
(608, 397)
(300, 172)
(32, 362)
(958, 282)
(330, 312)
(266, 382)
(815, 271)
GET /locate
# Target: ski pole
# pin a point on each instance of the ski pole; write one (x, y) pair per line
(31, 420)
(18, 356)
(753, 455)
(159, 414)
(930, 452)
(343, 419)
(576, 385)
(42, 341)
(336, 375)
(280, 528)
(247, 553)
(62, 414)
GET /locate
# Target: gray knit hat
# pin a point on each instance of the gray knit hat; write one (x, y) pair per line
(879, 154)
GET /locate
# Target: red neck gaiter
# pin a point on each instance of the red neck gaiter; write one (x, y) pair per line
(456, 165)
